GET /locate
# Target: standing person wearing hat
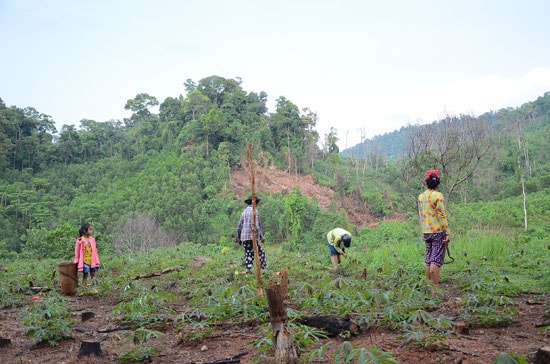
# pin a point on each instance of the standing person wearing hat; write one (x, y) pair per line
(337, 240)
(435, 227)
(244, 235)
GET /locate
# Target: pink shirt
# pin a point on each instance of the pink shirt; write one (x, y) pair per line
(79, 248)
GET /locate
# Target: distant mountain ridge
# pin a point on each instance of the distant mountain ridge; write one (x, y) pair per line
(390, 144)
(393, 144)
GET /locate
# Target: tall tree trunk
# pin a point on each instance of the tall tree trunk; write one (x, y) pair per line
(524, 201)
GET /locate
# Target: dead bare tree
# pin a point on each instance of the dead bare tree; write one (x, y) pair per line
(140, 233)
(524, 154)
(454, 145)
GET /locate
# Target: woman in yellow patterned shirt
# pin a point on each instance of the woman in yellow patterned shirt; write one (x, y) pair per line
(435, 227)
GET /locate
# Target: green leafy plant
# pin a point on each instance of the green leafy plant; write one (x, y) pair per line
(265, 344)
(8, 298)
(47, 320)
(145, 308)
(305, 335)
(423, 337)
(422, 329)
(140, 352)
(318, 353)
(487, 310)
(349, 353)
(510, 358)
(487, 316)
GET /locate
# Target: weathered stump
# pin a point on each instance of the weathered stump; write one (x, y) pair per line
(285, 351)
(543, 355)
(90, 347)
(4, 342)
(87, 316)
(461, 328)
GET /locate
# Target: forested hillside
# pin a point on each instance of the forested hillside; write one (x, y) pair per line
(164, 179)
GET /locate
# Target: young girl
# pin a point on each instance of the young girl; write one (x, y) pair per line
(85, 254)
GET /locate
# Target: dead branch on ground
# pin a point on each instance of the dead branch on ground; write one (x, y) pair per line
(158, 273)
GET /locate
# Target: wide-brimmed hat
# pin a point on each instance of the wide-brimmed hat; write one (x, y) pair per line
(432, 171)
(248, 201)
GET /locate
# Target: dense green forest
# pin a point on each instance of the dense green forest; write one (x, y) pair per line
(163, 179)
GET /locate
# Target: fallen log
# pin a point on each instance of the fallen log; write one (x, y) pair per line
(103, 331)
(461, 351)
(158, 273)
(230, 359)
(332, 325)
(37, 289)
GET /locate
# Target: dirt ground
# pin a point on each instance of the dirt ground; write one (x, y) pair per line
(477, 345)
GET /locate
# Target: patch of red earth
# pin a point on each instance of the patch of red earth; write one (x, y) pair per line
(268, 181)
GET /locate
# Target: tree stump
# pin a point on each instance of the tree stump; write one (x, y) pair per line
(87, 316)
(364, 274)
(90, 347)
(4, 342)
(543, 355)
(461, 328)
(285, 351)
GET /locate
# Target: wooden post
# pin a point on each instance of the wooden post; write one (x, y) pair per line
(285, 351)
(254, 232)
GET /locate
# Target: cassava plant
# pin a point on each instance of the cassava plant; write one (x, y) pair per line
(47, 320)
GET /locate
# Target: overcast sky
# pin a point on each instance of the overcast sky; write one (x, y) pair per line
(365, 67)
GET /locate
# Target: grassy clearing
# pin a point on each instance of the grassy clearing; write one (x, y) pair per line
(488, 268)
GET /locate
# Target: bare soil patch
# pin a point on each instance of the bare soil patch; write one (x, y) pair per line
(268, 181)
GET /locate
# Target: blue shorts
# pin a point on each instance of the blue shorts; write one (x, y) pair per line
(333, 251)
(86, 269)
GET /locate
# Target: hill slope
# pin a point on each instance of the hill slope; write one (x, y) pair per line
(270, 180)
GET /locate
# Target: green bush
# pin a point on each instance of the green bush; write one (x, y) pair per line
(43, 243)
